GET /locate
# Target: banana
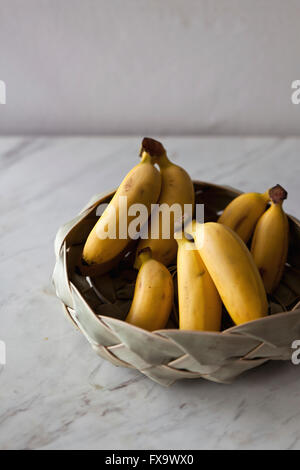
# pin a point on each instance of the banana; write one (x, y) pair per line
(270, 242)
(153, 295)
(177, 188)
(141, 185)
(200, 306)
(233, 271)
(242, 214)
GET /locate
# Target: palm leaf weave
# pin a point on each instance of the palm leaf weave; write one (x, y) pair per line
(97, 308)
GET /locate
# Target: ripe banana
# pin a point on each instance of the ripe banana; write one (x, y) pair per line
(153, 295)
(270, 242)
(177, 188)
(200, 306)
(141, 185)
(242, 214)
(233, 271)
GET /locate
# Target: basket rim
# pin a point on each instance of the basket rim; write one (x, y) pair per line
(194, 332)
(94, 201)
(169, 354)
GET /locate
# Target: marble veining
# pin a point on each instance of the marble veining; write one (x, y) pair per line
(55, 393)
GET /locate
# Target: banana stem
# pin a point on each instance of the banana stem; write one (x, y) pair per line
(266, 195)
(153, 148)
(163, 161)
(146, 158)
(191, 228)
(144, 255)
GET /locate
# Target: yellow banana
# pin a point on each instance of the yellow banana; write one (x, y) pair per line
(141, 185)
(233, 271)
(270, 242)
(242, 214)
(200, 306)
(176, 188)
(153, 295)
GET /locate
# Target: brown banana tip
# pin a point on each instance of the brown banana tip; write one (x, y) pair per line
(278, 194)
(153, 147)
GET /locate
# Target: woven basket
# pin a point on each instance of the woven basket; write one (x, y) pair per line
(98, 306)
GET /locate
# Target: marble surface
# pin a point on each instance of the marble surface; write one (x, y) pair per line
(55, 393)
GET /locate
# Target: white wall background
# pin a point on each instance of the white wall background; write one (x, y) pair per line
(149, 66)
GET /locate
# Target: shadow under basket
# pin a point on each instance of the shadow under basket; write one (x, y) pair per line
(97, 307)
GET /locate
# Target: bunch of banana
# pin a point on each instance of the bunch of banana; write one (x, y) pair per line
(242, 214)
(232, 269)
(270, 241)
(153, 295)
(177, 188)
(141, 185)
(215, 268)
(200, 306)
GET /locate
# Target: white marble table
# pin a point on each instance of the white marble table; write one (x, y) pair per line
(55, 393)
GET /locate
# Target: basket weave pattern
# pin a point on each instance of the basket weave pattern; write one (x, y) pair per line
(171, 354)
